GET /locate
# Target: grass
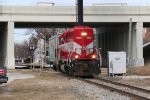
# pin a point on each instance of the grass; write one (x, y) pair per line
(144, 70)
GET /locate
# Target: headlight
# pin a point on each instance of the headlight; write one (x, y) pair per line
(93, 56)
(84, 34)
(76, 56)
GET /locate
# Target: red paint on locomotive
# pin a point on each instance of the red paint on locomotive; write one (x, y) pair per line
(77, 43)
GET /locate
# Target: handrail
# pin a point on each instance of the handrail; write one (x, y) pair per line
(100, 57)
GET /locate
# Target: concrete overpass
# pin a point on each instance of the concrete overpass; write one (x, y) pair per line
(111, 23)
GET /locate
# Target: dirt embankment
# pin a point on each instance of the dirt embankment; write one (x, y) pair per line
(139, 77)
(144, 71)
(47, 86)
(51, 85)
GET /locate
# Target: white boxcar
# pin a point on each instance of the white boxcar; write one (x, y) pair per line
(116, 63)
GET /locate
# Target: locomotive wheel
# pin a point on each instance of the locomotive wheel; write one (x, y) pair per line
(58, 67)
(66, 67)
(54, 67)
(71, 68)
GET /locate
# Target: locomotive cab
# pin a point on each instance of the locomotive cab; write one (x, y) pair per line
(84, 38)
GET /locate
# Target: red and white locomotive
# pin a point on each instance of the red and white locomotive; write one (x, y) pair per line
(76, 53)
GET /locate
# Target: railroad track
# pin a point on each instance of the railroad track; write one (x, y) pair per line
(134, 92)
(124, 85)
(124, 89)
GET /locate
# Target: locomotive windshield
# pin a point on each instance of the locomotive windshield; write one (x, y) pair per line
(83, 36)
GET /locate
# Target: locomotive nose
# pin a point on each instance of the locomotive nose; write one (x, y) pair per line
(83, 52)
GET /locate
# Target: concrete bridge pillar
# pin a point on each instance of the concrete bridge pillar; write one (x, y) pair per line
(9, 58)
(137, 45)
(97, 38)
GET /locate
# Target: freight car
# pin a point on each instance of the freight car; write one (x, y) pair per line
(73, 52)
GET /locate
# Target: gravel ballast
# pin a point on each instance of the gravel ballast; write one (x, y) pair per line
(94, 92)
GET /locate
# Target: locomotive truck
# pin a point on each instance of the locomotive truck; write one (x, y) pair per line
(73, 52)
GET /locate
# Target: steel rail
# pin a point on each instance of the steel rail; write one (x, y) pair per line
(123, 84)
(135, 96)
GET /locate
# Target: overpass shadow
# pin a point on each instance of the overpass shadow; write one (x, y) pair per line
(146, 54)
(146, 42)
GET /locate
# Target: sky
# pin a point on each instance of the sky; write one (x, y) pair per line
(72, 2)
(19, 32)
(21, 35)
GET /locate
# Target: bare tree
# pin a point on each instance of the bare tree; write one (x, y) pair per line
(147, 35)
(40, 33)
(24, 48)
(36, 34)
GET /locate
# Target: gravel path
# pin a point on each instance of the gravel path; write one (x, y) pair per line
(14, 76)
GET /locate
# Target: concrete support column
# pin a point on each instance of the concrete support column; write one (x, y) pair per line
(137, 52)
(139, 39)
(9, 60)
(96, 38)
